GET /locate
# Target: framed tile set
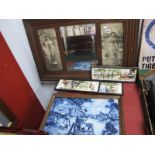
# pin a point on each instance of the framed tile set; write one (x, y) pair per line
(83, 115)
(88, 108)
(105, 80)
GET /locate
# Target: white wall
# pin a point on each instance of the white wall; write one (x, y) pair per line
(14, 33)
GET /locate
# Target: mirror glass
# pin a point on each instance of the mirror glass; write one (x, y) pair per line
(79, 46)
(50, 49)
(4, 120)
(112, 43)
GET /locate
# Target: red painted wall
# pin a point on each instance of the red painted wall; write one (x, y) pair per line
(16, 92)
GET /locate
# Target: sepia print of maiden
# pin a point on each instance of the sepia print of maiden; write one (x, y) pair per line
(50, 49)
(112, 43)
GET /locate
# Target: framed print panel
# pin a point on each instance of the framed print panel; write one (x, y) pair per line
(116, 46)
(122, 74)
(112, 88)
(83, 115)
(78, 85)
(50, 49)
(112, 43)
(7, 118)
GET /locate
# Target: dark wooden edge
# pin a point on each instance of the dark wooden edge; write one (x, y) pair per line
(137, 41)
(8, 113)
(140, 38)
(148, 73)
(149, 128)
(121, 117)
(80, 95)
(145, 86)
(115, 67)
(47, 112)
(133, 29)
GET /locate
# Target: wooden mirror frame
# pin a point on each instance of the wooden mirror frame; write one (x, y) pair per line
(130, 40)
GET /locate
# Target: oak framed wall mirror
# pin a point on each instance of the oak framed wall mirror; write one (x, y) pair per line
(68, 48)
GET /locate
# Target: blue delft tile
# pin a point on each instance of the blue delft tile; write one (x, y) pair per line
(81, 116)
